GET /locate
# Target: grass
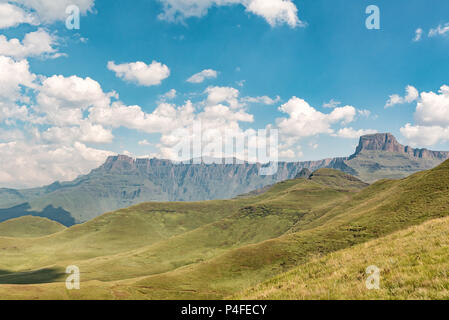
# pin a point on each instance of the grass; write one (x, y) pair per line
(216, 249)
(29, 227)
(413, 263)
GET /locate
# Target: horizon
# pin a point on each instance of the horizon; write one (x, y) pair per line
(236, 160)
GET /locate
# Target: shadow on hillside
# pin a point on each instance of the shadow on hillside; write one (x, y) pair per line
(50, 212)
(32, 277)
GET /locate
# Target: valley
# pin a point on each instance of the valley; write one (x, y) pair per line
(220, 249)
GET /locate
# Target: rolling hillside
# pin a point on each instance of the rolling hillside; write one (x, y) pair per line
(213, 250)
(413, 264)
(122, 181)
(29, 227)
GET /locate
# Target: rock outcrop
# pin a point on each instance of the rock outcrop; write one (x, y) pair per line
(386, 142)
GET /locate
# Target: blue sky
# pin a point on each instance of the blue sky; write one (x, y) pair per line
(316, 50)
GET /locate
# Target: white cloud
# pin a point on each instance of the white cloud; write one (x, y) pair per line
(49, 11)
(412, 95)
(433, 108)
(350, 133)
(216, 95)
(263, 100)
(86, 132)
(418, 35)
(275, 12)
(141, 73)
(12, 16)
(10, 112)
(287, 154)
(441, 30)
(165, 118)
(305, 121)
(424, 135)
(41, 164)
(431, 119)
(203, 75)
(14, 76)
(144, 143)
(170, 95)
(38, 43)
(364, 113)
(10, 135)
(331, 104)
(63, 100)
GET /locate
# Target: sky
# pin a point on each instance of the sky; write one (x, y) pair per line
(135, 77)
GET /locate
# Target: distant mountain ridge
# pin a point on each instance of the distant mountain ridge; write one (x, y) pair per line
(123, 181)
(388, 143)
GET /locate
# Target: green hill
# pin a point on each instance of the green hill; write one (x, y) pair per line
(413, 264)
(215, 249)
(29, 227)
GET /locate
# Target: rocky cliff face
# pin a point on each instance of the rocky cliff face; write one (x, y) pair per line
(386, 142)
(123, 181)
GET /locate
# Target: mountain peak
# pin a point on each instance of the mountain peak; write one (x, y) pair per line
(387, 142)
(379, 142)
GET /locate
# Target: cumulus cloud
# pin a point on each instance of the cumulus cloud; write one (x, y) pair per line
(305, 121)
(165, 117)
(216, 95)
(38, 43)
(12, 16)
(41, 164)
(14, 76)
(424, 135)
(412, 94)
(275, 12)
(140, 72)
(51, 145)
(433, 108)
(350, 133)
(203, 75)
(86, 132)
(62, 100)
(431, 119)
(49, 11)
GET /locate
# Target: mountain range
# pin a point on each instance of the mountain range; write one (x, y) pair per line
(310, 237)
(123, 181)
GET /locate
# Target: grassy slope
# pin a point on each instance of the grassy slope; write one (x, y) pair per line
(140, 225)
(98, 246)
(376, 211)
(413, 264)
(372, 166)
(228, 254)
(29, 227)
